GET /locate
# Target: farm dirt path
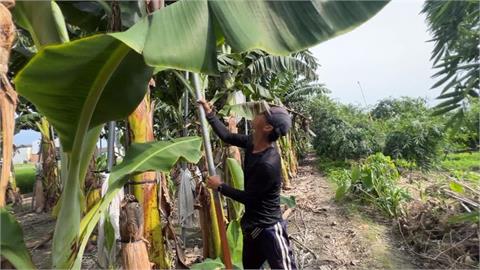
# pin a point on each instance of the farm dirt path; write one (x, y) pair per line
(328, 235)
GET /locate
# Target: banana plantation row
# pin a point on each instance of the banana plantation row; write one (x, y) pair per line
(131, 72)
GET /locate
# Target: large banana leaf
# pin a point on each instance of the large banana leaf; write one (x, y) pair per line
(283, 27)
(43, 20)
(188, 37)
(107, 83)
(159, 156)
(12, 246)
(185, 33)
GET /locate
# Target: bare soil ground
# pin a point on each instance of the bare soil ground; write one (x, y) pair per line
(329, 235)
(324, 234)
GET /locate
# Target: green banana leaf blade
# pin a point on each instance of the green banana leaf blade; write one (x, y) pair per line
(236, 174)
(283, 27)
(12, 246)
(60, 78)
(158, 156)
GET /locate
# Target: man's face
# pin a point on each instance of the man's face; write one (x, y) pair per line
(260, 125)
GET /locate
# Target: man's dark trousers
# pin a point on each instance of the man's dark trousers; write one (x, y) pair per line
(267, 244)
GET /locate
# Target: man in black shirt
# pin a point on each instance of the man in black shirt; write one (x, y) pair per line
(264, 232)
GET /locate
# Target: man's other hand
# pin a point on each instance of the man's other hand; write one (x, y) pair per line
(206, 106)
(214, 182)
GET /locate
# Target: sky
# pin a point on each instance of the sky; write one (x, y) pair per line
(388, 55)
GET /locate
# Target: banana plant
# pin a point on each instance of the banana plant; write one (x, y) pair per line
(46, 25)
(82, 84)
(160, 156)
(50, 179)
(140, 124)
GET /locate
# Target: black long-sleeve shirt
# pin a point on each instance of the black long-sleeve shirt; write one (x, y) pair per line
(262, 175)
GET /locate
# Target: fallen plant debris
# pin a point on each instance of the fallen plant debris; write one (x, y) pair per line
(444, 229)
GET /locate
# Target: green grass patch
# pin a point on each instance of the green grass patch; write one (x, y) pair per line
(25, 176)
(462, 161)
(328, 166)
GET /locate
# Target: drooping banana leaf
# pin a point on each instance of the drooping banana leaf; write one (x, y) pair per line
(277, 27)
(185, 33)
(159, 156)
(12, 246)
(106, 83)
(110, 81)
(43, 20)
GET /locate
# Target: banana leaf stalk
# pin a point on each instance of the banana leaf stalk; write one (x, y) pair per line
(211, 171)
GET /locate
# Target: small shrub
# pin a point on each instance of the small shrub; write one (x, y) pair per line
(419, 141)
(343, 132)
(403, 107)
(464, 132)
(374, 181)
(404, 165)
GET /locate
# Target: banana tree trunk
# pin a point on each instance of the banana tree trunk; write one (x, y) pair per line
(134, 251)
(146, 188)
(285, 177)
(8, 97)
(51, 180)
(288, 159)
(38, 199)
(13, 192)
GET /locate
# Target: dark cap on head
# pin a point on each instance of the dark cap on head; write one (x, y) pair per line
(280, 120)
